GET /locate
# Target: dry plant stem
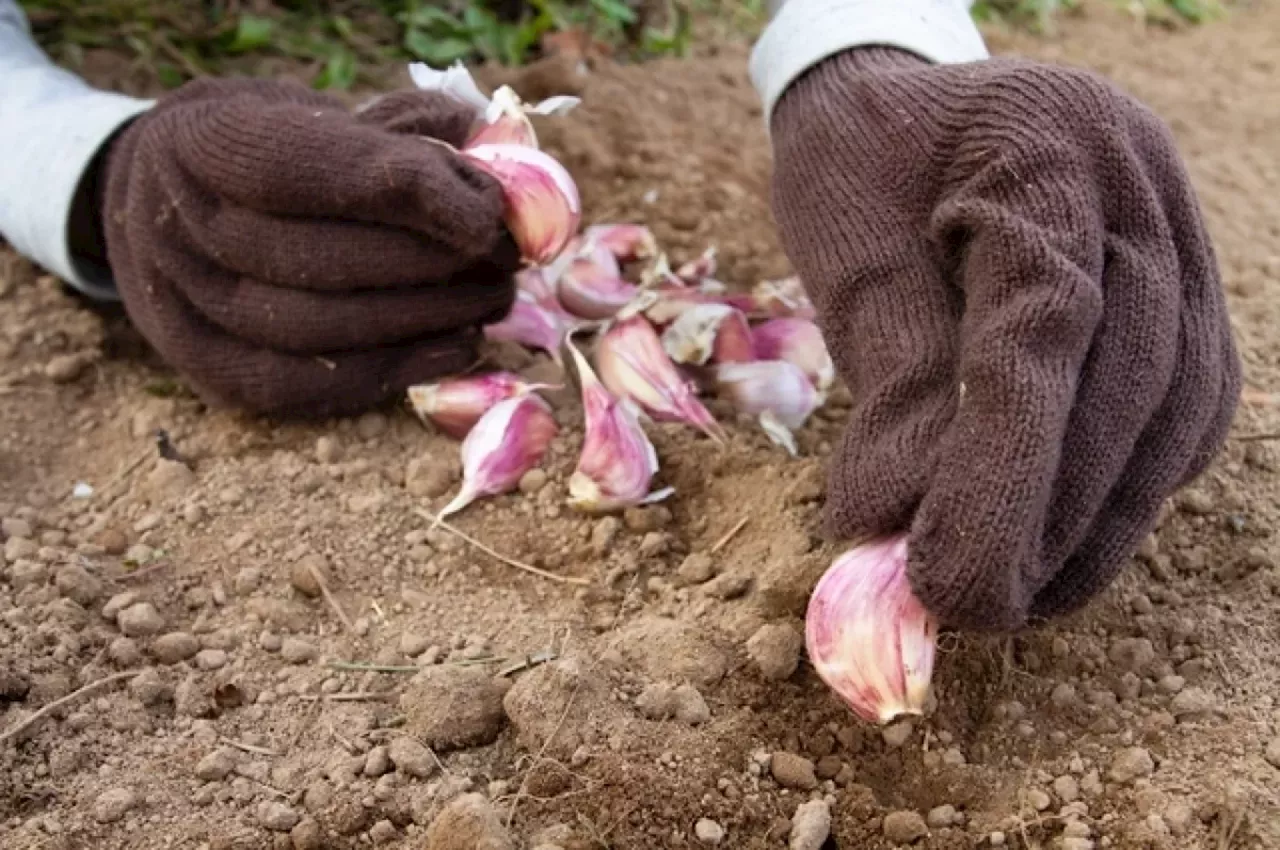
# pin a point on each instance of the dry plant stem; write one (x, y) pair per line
(328, 597)
(730, 534)
(1258, 438)
(376, 668)
(58, 703)
(542, 751)
(249, 748)
(354, 696)
(511, 562)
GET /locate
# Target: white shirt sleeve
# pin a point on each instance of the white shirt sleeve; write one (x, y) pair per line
(802, 33)
(52, 124)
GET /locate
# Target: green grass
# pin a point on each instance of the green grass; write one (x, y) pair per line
(339, 39)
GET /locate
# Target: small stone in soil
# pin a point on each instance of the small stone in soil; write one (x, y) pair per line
(216, 765)
(302, 578)
(897, 734)
(211, 659)
(940, 816)
(1066, 787)
(382, 832)
(468, 822)
(450, 707)
(696, 568)
(277, 816)
(175, 647)
(113, 804)
(412, 645)
(140, 620)
(1193, 702)
(1272, 753)
(307, 835)
(297, 651)
(708, 831)
(377, 762)
(1130, 764)
(904, 827)
(78, 585)
(810, 826)
(148, 688)
(411, 757)
(775, 648)
(793, 771)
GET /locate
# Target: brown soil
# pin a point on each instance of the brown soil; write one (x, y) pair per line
(1148, 721)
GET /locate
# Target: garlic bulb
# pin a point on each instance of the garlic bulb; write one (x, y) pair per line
(868, 636)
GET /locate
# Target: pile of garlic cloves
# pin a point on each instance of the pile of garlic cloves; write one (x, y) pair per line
(662, 337)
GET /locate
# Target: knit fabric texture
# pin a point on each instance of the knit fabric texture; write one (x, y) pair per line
(292, 258)
(1012, 273)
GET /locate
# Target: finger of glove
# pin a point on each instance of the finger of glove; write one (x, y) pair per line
(290, 160)
(883, 307)
(304, 321)
(235, 372)
(421, 113)
(312, 253)
(1031, 278)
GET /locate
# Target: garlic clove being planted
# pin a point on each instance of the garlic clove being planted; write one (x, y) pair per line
(797, 341)
(868, 636)
(624, 241)
(543, 207)
(709, 332)
(778, 393)
(591, 286)
(455, 405)
(508, 441)
(633, 364)
(617, 462)
(532, 324)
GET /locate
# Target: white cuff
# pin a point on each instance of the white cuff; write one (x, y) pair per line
(805, 32)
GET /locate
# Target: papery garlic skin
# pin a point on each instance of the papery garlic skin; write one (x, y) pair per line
(618, 462)
(633, 364)
(455, 81)
(624, 241)
(785, 297)
(868, 636)
(532, 324)
(698, 269)
(543, 208)
(455, 405)
(709, 332)
(509, 440)
(594, 289)
(506, 118)
(798, 341)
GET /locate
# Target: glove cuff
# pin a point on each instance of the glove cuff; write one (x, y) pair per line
(805, 32)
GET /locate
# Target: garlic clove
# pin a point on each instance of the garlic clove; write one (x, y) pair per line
(633, 364)
(699, 269)
(618, 461)
(798, 341)
(538, 283)
(785, 297)
(777, 392)
(867, 634)
(455, 405)
(508, 440)
(533, 324)
(543, 207)
(709, 332)
(624, 241)
(592, 288)
(502, 118)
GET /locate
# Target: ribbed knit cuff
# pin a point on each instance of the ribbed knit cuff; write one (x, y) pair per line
(804, 32)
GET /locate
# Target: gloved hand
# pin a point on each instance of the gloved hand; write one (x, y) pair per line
(294, 258)
(1011, 271)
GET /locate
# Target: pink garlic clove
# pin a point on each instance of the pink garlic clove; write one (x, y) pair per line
(797, 341)
(867, 634)
(543, 207)
(618, 461)
(537, 283)
(508, 440)
(592, 288)
(532, 324)
(700, 268)
(709, 332)
(502, 118)
(455, 405)
(633, 365)
(785, 297)
(624, 241)
(777, 392)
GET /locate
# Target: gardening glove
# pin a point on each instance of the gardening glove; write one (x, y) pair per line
(1011, 270)
(293, 258)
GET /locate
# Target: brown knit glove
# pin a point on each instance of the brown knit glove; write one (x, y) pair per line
(1012, 273)
(292, 258)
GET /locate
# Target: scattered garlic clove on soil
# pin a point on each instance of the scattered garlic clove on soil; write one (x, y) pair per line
(455, 405)
(508, 441)
(797, 341)
(618, 461)
(785, 297)
(592, 286)
(537, 283)
(868, 636)
(633, 364)
(624, 241)
(543, 207)
(532, 324)
(775, 391)
(709, 332)
(699, 269)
